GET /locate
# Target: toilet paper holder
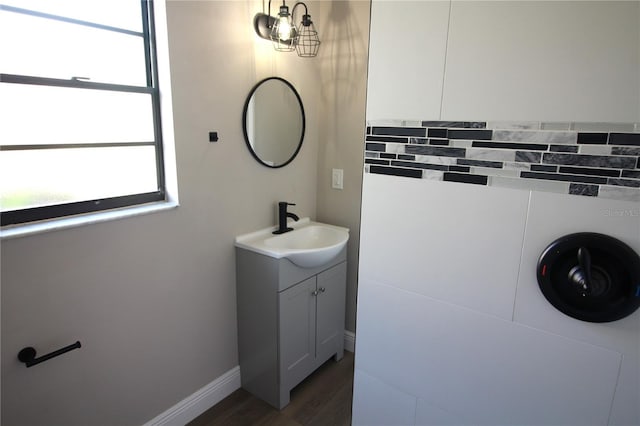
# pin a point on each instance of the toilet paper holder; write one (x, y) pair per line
(28, 355)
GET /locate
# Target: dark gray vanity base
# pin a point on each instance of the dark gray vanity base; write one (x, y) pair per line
(287, 325)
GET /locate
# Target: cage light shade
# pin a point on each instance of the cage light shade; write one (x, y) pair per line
(283, 33)
(308, 42)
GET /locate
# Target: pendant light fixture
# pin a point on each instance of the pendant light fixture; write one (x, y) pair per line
(283, 32)
(308, 42)
(284, 35)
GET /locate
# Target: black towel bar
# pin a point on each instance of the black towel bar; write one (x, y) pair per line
(28, 354)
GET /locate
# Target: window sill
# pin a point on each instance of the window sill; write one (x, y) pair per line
(23, 230)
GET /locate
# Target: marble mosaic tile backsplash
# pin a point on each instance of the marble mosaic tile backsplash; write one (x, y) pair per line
(587, 159)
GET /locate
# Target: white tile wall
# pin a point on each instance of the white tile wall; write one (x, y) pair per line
(429, 414)
(500, 65)
(454, 242)
(451, 326)
(376, 403)
(440, 277)
(477, 366)
(417, 45)
(550, 217)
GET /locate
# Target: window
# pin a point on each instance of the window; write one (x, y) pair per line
(80, 123)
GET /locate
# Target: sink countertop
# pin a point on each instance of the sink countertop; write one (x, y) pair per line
(256, 241)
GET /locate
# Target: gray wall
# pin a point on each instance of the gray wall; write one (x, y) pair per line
(152, 298)
(343, 76)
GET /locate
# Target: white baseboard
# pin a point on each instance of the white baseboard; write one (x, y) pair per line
(200, 401)
(349, 341)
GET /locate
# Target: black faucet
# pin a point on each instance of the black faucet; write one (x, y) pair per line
(283, 214)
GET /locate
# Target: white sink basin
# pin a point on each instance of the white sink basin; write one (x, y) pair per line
(309, 245)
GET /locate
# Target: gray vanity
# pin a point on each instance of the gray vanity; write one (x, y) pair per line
(290, 286)
(290, 318)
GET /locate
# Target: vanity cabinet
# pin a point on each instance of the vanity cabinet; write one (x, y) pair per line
(290, 321)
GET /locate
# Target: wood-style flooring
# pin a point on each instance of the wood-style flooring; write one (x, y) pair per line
(323, 399)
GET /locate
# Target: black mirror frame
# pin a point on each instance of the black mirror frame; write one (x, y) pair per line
(244, 122)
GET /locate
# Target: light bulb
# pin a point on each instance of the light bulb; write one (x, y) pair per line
(284, 29)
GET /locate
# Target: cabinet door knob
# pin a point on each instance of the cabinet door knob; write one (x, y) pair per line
(314, 293)
(322, 289)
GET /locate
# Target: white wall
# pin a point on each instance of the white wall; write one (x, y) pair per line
(452, 328)
(408, 42)
(451, 325)
(562, 61)
(152, 298)
(515, 60)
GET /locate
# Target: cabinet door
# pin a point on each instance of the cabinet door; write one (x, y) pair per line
(297, 332)
(330, 311)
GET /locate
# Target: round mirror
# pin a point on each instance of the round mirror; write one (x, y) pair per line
(274, 122)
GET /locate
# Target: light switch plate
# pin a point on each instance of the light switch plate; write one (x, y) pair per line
(337, 176)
